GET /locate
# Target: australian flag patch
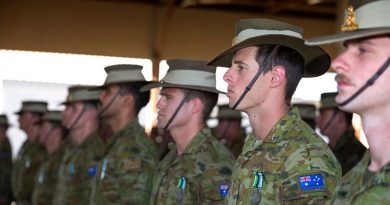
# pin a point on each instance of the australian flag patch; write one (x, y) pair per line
(311, 182)
(223, 190)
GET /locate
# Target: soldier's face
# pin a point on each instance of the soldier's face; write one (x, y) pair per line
(243, 69)
(44, 130)
(106, 97)
(72, 112)
(355, 65)
(26, 119)
(170, 98)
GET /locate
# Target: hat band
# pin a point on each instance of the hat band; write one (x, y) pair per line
(250, 33)
(373, 15)
(34, 108)
(83, 95)
(191, 78)
(124, 76)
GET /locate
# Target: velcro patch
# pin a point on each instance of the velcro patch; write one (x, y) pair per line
(311, 182)
(223, 190)
(91, 171)
(129, 164)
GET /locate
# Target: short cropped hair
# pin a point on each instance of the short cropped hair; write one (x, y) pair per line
(209, 100)
(140, 98)
(269, 56)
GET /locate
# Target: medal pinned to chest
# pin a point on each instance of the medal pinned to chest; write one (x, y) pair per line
(180, 189)
(255, 197)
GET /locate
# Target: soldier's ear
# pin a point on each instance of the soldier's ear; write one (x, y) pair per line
(197, 105)
(278, 75)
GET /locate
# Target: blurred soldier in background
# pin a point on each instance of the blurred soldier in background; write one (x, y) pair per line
(337, 126)
(32, 154)
(79, 164)
(229, 130)
(126, 170)
(198, 169)
(308, 113)
(5, 163)
(53, 133)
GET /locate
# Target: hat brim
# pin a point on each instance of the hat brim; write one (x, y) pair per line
(350, 35)
(170, 85)
(317, 61)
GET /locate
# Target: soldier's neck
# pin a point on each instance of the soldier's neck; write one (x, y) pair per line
(262, 120)
(80, 134)
(376, 129)
(183, 136)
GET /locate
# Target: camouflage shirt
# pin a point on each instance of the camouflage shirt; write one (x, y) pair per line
(77, 173)
(125, 173)
(292, 165)
(30, 158)
(348, 150)
(5, 170)
(201, 175)
(46, 178)
(361, 186)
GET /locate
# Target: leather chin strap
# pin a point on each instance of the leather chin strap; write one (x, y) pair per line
(258, 73)
(177, 110)
(109, 103)
(369, 82)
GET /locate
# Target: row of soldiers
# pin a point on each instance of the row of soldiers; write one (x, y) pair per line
(283, 160)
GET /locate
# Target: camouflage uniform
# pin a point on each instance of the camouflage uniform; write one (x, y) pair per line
(348, 150)
(77, 172)
(202, 173)
(30, 158)
(360, 186)
(125, 173)
(5, 171)
(281, 168)
(46, 178)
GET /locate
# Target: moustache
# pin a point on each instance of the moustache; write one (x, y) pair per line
(342, 78)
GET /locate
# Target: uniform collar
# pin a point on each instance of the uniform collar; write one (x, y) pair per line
(279, 131)
(276, 134)
(197, 141)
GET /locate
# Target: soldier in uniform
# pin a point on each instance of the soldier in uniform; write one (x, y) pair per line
(363, 88)
(337, 126)
(32, 154)
(126, 170)
(197, 170)
(229, 130)
(52, 134)
(78, 168)
(284, 161)
(5, 163)
(308, 113)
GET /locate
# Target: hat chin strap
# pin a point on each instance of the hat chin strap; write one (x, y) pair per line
(109, 103)
(248, 88)
(78, 117)
(369, 82)
(258, 73)
(177, 110)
